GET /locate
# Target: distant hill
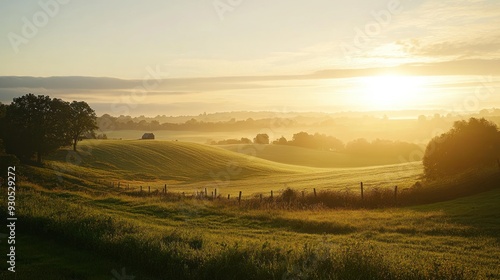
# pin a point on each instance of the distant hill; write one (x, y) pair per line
(309, 157)
(170, 160)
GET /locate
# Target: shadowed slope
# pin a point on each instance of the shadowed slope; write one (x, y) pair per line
(309, 157)
(184, 161)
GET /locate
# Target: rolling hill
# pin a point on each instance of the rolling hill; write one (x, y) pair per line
(167, 160)
(455, 239)
(309, 157)
(187, 167)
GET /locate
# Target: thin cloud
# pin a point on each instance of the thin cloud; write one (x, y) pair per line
(481, 47)
(185, 86)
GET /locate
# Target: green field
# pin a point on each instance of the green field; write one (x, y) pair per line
(309, 157)
(191, 136)
(86, 228)
(190, 167)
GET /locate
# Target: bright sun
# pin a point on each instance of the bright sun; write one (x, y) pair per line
(390, 92)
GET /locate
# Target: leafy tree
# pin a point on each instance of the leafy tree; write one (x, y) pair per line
(281, 141)
(328, 143)
(3, 112)
(36, 124)
(83, 120)
(316, 141)
(245, 140)
(261, 138)
(468, 144)
(303, 139)
(358, 146)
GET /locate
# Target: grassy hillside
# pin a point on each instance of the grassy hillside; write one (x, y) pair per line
(157, 237)
(185, 136)
(168, 160)
(189, 167)
(193, 239)
(309, 157)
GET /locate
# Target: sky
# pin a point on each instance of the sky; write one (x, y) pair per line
(188, 57)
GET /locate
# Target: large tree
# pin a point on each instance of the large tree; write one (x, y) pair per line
(469, 144)
(36, 125)
(261, 138)
(83, 120)
(3, 128)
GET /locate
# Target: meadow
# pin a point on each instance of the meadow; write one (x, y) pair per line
(78, 224)
(190, 167)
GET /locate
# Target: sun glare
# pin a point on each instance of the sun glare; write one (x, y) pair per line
(390, 92)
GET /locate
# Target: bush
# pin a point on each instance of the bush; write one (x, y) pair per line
(469, 144)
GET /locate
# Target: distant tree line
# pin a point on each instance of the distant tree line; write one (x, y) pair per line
(317, 141)
(37, 125)
(260, 138)
(120, 123)
(469, 144)
(232, 141)
(312, 141)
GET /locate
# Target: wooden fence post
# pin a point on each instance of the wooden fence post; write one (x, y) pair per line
(396, 195)
(215, 192)
(362, 197)
(239, 198)
(271, 194)
(315, 192)
(206, 192)
(228, 196)
(149, 189)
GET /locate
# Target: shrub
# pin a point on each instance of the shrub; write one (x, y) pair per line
(469, 144)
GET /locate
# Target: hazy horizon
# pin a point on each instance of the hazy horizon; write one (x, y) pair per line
(180, 58)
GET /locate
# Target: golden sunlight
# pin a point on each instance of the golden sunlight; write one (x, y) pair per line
(392, 92)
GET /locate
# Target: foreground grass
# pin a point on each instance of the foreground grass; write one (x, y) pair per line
(192, 239)
(46, 258)
(74, 212)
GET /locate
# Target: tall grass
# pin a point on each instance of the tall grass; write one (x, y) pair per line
(460, 185)
(187, 254)
(71, 213)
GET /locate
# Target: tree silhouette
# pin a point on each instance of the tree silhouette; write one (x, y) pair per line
(468, 144)
(316, 141)
(281, 141)
(83, 120)
(3, 112)
(261, 138)
(36, 124)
